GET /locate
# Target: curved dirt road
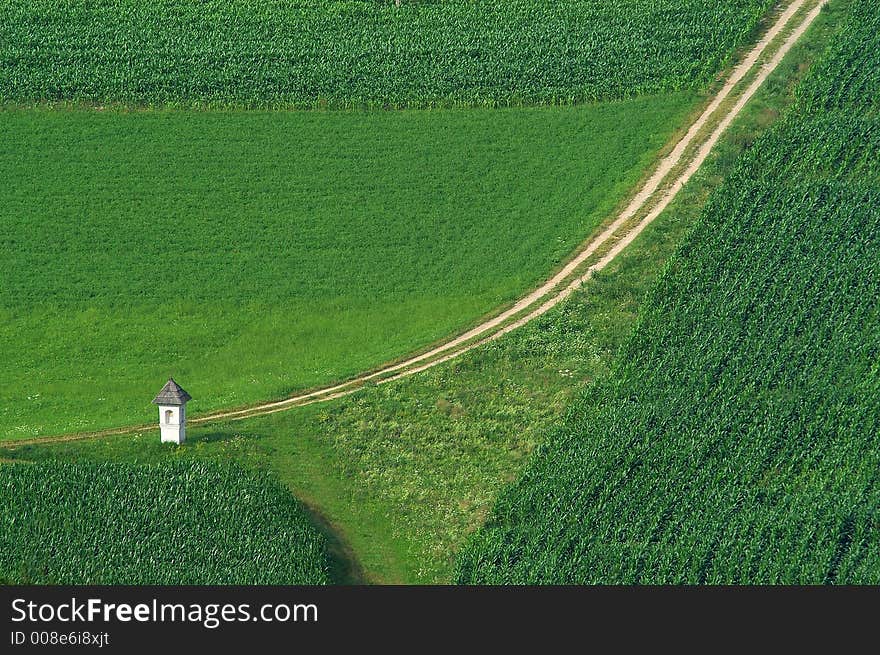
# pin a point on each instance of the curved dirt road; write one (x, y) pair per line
(691, 151)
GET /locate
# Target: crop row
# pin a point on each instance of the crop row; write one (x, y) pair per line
(173, 523)
(351, 54)
(849, 76)
(738, 438)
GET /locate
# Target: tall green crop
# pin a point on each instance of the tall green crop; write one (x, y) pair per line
(179, 523)
(738, 438)
(318, 53)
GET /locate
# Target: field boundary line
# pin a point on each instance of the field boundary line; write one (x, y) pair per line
(654, 194)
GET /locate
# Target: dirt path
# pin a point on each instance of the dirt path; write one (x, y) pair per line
(656, 194)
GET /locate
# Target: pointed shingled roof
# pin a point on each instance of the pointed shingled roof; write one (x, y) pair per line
(171, 394)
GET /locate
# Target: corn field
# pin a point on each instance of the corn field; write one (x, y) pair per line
(738, 438)
(177, 523)
(356, 53)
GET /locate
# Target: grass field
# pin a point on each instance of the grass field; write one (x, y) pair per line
(363, 53)
(737, 439)
(302, 247)
(404, 472)
(184, 523)
(399, 475)
(251, 254)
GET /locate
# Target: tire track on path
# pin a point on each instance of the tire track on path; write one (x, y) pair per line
(653, 194)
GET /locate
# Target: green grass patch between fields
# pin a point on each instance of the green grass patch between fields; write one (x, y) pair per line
(252, 254)
(403, 473)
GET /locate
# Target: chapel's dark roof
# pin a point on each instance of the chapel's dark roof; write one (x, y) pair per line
(171, 394)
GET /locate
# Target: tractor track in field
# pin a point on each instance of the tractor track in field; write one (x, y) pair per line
(655, 195)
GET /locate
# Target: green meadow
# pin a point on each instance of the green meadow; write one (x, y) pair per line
(398, 476)
(251, 254)
(158, 220)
